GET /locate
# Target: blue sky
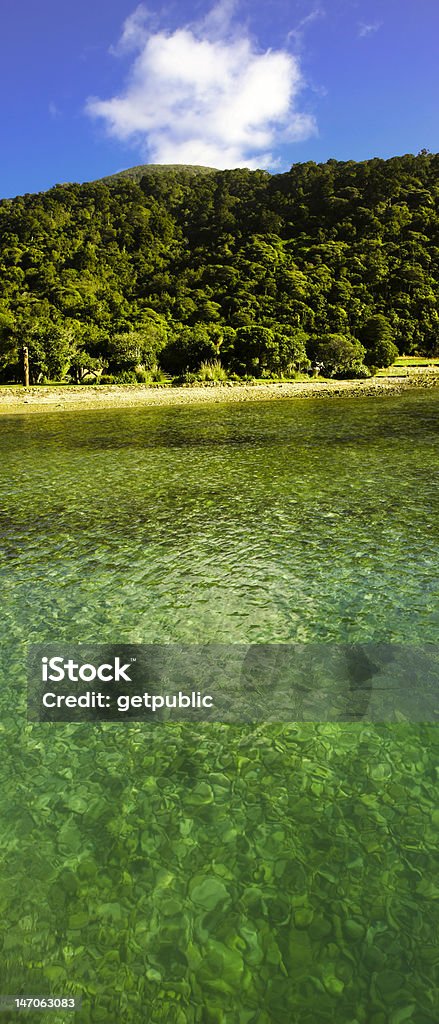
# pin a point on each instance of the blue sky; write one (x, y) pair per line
(97, 85)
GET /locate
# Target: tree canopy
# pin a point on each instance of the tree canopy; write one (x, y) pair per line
(173, 266)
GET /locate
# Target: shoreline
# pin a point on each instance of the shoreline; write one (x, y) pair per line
(16, 400)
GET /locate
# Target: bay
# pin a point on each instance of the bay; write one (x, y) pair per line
(221, 873)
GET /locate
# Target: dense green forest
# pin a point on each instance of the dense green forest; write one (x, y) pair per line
(186, 270)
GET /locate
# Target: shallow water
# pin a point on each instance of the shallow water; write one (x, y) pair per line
(221, 873)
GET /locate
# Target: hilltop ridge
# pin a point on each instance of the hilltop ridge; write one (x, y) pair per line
(137, 173)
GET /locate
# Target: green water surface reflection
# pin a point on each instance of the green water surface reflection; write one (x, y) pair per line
(220, 873)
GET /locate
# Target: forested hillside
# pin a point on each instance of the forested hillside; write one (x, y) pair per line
(250, 273)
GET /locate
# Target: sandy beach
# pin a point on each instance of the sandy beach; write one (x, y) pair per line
(16, 400)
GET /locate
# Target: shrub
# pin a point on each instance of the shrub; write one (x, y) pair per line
(184, 379)
(126, 377)
(357, 371)
(157, 375)
(142, 377)
(212, 371)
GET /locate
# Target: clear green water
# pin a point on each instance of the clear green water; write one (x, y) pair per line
(221, 873)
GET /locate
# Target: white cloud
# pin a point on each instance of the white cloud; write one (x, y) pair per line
(368, 28)
(218, 21)
(296, 35)
(205, 94)
(134, 31)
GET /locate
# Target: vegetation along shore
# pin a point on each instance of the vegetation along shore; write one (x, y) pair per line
(19, 400)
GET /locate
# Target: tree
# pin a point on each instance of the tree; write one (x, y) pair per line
(383, 354)
(124, 351)
(253, 350)
(341, 356)
(340, 248)
(188, 347)
(377, 336)
(9, 355)
(136, 348)
(377, 328)
(51, 346)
